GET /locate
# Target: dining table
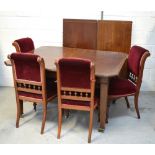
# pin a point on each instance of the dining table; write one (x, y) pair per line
(108, 64)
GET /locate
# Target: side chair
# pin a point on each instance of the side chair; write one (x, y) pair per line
(30, 83)
(26, 45)
(76, 87)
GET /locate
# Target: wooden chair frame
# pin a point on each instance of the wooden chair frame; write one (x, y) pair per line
(71, 94)
(30, 87)
(17, 47)
(137, 81)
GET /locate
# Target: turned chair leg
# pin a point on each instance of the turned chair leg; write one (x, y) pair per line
(44, 117)
(90, 125)
(34, 106)
(136, 105)
(127, 102)
(59, 122)
(18, 113)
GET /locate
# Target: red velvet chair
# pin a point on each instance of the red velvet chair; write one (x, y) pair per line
(24, 45)
(76, 86)
(130, 86)
(30, 83)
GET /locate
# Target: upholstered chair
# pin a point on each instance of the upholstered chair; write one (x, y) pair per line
(30, 83)
(130, 86)
(24, 45)
(76, 86)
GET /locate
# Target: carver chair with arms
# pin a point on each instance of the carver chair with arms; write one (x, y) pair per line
(130, 86)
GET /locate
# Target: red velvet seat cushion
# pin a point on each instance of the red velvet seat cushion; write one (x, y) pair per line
(51, 90)
(79, 103)
(121, 87)
(25, 44)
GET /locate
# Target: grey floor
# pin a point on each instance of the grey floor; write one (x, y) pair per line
(123, 126)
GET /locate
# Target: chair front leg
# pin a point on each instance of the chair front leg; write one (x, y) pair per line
(18, 112)
(59, 121)
(136, 104)
(90, 125)
(44, 116)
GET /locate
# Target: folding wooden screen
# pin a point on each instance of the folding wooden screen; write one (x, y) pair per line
(79, 33)
(107, 35)
(114, 35)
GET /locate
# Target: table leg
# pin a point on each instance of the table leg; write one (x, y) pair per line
(104, 84)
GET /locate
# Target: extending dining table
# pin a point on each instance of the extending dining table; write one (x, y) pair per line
(107, 64)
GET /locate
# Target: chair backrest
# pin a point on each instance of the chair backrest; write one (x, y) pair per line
(24, 45)
(76, 79)
(136, 61)
(28, 73)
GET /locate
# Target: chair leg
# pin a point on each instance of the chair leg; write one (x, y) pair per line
(34, 106)
(127, 102)
(136, 105)
(18, 113)
(114, 102)
(90, 125)
(21, 107)
(59, 122)
(44, 117)
(98, 113)
(67, 113)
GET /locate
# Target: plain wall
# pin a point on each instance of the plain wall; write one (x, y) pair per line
(44, 26)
